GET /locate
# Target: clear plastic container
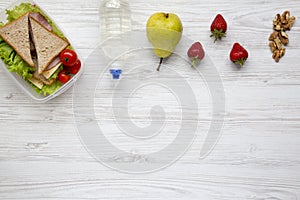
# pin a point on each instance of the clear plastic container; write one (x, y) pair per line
(23, 84)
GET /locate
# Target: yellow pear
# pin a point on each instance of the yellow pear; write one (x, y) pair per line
(164, 31)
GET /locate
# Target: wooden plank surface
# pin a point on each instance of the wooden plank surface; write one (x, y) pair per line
(256, 157)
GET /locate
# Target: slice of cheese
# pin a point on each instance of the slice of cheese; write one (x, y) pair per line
(36, 82)
(47, 75)
(51, 71)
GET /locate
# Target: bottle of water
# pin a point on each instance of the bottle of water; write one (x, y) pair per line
(115, 20)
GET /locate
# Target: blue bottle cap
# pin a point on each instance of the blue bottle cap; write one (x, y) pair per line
(115, 73)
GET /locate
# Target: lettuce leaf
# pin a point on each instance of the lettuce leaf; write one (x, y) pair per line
(14, 62)
(20, 10)
(23, 8)
(49, 89)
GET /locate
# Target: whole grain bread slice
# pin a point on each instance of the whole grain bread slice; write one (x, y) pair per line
(48, 45)
(16, 34)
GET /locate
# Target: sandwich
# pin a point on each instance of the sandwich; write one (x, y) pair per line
(30, 46)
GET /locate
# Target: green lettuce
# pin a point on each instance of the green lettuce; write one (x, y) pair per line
(13, 61)
(20, 10)
(49, 89)
(23, 8)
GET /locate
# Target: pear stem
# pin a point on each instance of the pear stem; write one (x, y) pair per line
(160, 61)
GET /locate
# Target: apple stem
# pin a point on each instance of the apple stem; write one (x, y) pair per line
(160, 61)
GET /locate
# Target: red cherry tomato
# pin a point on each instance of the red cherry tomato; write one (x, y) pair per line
(63, 77)
(68, 57)
(75, 68)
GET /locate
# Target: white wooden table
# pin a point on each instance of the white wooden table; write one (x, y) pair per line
(256, 157)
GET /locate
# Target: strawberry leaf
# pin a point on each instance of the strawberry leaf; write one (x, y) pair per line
(240, 62)
(218, 34)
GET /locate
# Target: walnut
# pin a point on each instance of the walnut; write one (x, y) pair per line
(281, 23)
(283, 38)
(276, 55)
(278, 43)
(277, 22)
(272, 46)
(273, 35)
(285, 17)
(281, 52)
(284, 34)
(277, 27)
(289, 25)
(277, 19)
(291, 22)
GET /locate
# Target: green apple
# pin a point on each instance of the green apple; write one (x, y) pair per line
(164, 31)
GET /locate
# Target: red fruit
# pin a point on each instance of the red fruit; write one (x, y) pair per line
(218, 27)
(238, 54)
(74, 69)
(196, 53)
(68, 57)
(63, 77)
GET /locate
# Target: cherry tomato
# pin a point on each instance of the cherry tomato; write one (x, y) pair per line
(68, 57)
(63, 77)
(75, 68)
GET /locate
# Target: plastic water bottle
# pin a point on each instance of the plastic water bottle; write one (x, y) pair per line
(115, 18)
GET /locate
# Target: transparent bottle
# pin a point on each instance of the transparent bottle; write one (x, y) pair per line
(115, 18)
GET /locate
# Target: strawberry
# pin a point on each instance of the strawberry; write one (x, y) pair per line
(196, 53)
(218, 27)
(238, 54)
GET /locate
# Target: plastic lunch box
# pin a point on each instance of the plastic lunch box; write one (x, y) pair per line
(24, 85)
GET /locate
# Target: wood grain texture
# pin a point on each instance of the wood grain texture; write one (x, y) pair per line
(257, 156)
